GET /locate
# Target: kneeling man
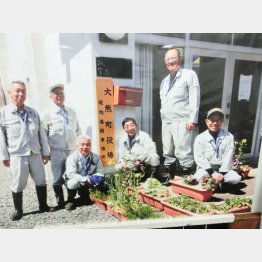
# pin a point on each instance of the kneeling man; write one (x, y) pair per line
(83, 169)
(214, 150)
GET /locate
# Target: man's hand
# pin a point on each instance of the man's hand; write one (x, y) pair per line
(46, 159)
(218, 178)
(138, 163)
(6, 163)
(190, 126)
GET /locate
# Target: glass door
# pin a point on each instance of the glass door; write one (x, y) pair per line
(211, 73)
(244, 117)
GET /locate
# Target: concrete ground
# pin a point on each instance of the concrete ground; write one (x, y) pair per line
(244, 188)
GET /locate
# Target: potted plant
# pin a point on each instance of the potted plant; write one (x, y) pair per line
(124, 205)
(182, 186)
(238, 165)
(153, 192)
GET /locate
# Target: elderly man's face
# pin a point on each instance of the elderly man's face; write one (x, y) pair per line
(172, 61)
(214, 123)
(58, 96)
(130, 128)
(84, 147)
(18, 94)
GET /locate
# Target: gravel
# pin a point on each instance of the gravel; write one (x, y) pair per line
(32, 218)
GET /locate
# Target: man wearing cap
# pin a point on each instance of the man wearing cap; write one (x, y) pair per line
(62, 128)
(214, 150)
(23, 148)
(180, 99)
(83, 169)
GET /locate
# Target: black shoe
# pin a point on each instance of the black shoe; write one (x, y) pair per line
(18, 214)
(186, 171)
(166, 178)
(70, 206)
(46, 208)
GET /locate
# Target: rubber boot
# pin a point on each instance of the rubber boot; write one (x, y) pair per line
(59, 195)
(83, 192)
(42, 199)
(18, 203)
(71, 199)
(154, 171)
(170, 174)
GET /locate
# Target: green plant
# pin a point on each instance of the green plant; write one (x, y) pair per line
(189, 204)
(238, 165)
(97, 194)
(142, 212)
(230, 203)
(240, 147)
(208, 183)
(153, 187)
(129, 204)
(190, 180)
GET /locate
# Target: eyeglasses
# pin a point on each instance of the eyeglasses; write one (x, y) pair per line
(58, 93)
(218, 120)
(171, 58)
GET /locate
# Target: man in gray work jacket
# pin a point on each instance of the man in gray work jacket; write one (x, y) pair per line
(23, 148)
(84, 169)
(137, 150)
(180, 99)
(62, 128)
(214, 150)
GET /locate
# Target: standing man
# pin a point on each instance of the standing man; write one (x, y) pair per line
(62, 128)
(23, 148)
(180, 99)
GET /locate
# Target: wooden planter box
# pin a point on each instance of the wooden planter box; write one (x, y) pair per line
(153, 201)
(196, 192)
(100, 203)
(245, 173)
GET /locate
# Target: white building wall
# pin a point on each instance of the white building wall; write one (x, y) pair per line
(71, 59)
(44, 59)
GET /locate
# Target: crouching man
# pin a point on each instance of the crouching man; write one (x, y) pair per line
(214, 150)
(137, 150)
(82, 171)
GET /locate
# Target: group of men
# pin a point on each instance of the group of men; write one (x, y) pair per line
(207, 154)
(28, 141)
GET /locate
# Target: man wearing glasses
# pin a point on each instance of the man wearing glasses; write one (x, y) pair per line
(214, 150)
(180, 99)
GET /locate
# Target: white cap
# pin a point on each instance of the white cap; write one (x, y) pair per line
(215, 110)
(53, 87)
